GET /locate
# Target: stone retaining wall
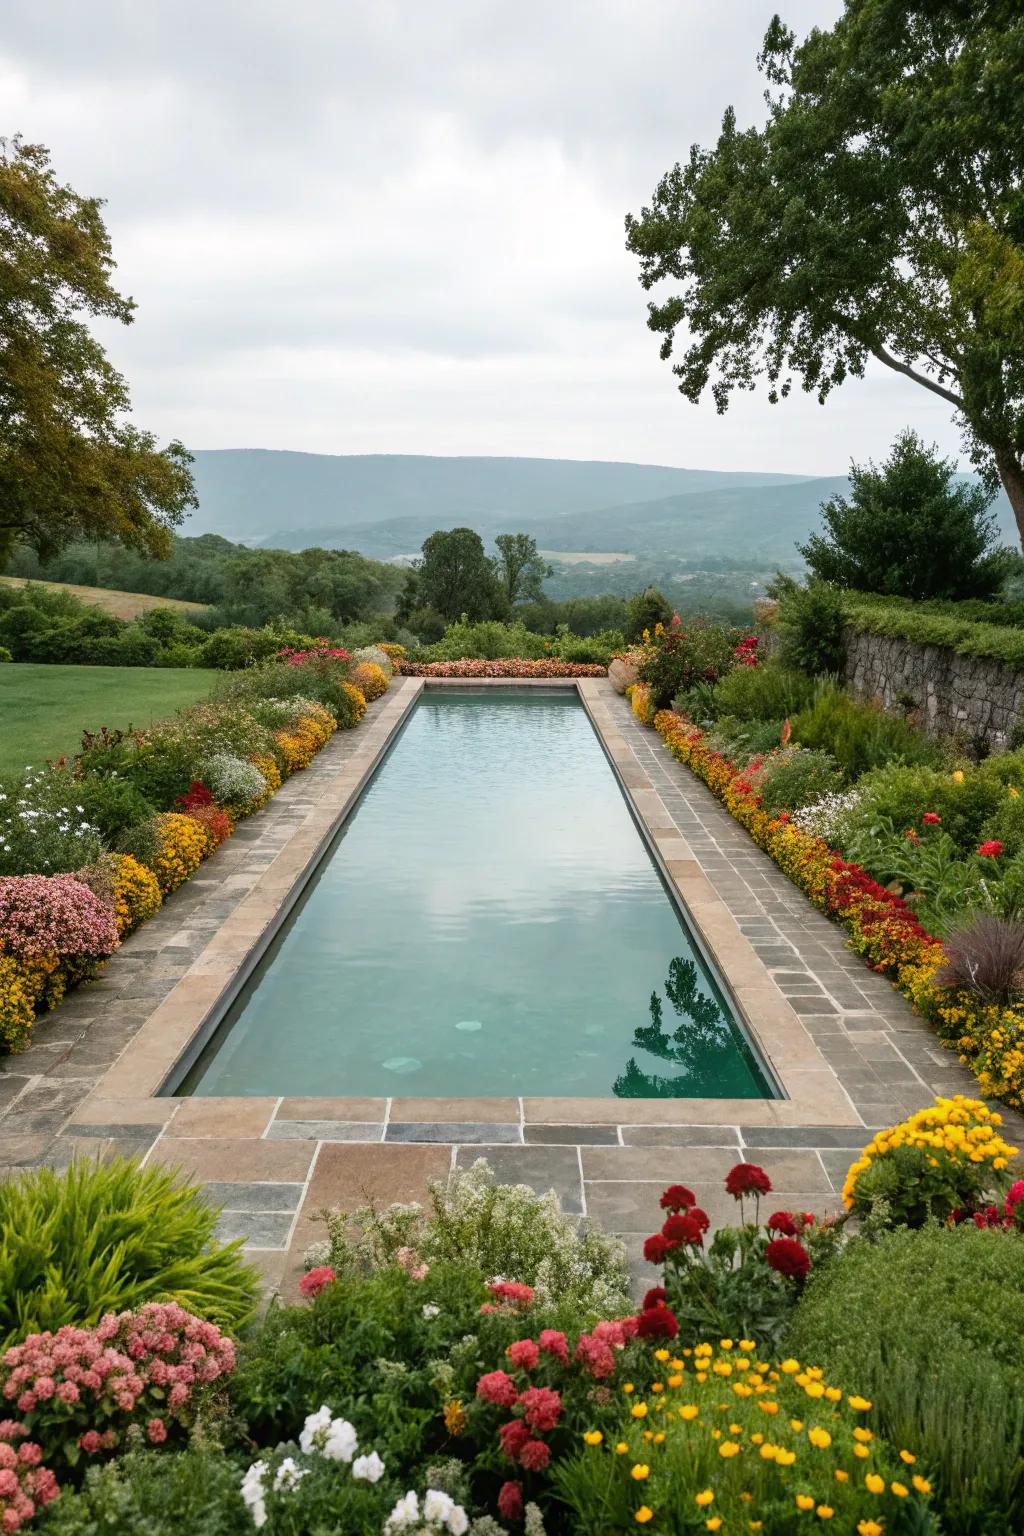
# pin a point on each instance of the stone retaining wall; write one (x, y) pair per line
(972, 696)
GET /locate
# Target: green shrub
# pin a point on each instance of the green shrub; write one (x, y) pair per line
(686, 656)
(928, 1325)
(1006, 825)
(150, 1493)
(859, 736)
(740, 740)
(5, 654)
(810, 626)
(43, 828)
(954, 627)
(103, 1237)
(113, 805)
(768, 692)
(795, 776)
(232, 648)
(645, 610)
(902, 795)
(598, 649)
(488, 638)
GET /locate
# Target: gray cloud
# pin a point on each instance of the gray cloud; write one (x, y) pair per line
(373, 226)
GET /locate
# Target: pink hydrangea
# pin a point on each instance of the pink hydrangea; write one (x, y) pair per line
(552, 1342)
(25, 1484)
(541, 1408)
(54, 914)
(523, 1354)
(497, 1387)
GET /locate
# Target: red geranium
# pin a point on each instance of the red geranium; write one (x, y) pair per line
(655, 1296)
(655, 1248)
(678, 1198)
(313, 1283)
(992, 849)
(788, 1257)
(513, 1437)
(930, 819)
(535, 1455)
(657, 1323)
(683, 1228)
(510, 1501)
(497, 1387)
(747, 1179)
(523, 1354)
(552, 1342)
(541, 1408)
(783, 1223)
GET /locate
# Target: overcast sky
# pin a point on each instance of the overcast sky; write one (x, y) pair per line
(358, 226)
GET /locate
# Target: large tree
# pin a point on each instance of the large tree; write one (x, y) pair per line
(878, 213)
(71, 465)
(455, 577)
(519, 567)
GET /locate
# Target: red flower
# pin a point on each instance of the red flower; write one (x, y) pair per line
(523, 1354)
(513, 1437)
(702, 1218)
(657, 1323)
(655, 1248)
(930, 819)
(678, 1198)
(656, 1295)
(747, 1179)
(497, 1387)
(512, 1290)
(312, 1284)
(510, 1501)
(783, 1223)
(541, 1407)
(685, 1229)
(992, 849)
(788, 1258)
(554, 1343)
(535, 1455)
(1015, 1194)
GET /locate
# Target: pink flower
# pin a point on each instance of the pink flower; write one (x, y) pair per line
(541, 1408)
(156, 1431)
(513, 1291)
(534, 1455)
(316, 1280)
(552, 1342)
(595, 1355)
(497, 1387)
(513, 1436)
(510, 1501)
(89, 1442)
(523, 1354)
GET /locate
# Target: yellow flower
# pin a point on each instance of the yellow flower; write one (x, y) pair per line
(868, 1528)
(725, 1343)
(627, 1387)
(748, 1345)
(841, 1476)
(643, 1514)
(791, 1367)
(454, 1417)
(824, 1511)
(675, 1381)
(874, 1484)
(728, 1448)
(784, 1458)
(704, 1498)
(899, 1489)
(958, 776)
(820, 1438)
(592, 1437)
(859, 1404)
(689, 1411)
(861, 1451)
(714, 1523)
(796, 1424)
(639, 1410)
(639, 1471)
(921, 1483)
(908, 1457)
(621, 1448)
(804, 1501)
(863, 1434)
(662, 1354)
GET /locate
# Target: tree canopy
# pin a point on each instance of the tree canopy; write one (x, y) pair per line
(455, 577)
(909, 529)
(879, 213)
(519, 568)
(71, 465)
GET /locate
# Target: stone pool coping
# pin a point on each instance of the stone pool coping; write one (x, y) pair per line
(180, 1022)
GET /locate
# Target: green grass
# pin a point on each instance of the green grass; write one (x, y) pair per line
(44, 709)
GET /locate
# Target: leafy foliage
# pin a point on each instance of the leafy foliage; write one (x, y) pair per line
(770, 691)
(810, 625)
(104, 1237)
(795, 776)
(859, 736)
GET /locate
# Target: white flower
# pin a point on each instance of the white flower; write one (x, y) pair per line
(369, 1469)
(289, 1474)
(316, 1425)
(458, 1521)
(430, 1311)
(254, 1493)
(340, 1442)
(406, 1512)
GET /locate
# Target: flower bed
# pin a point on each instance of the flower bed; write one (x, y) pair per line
(75, 878)
(881, 926)
(510, 666)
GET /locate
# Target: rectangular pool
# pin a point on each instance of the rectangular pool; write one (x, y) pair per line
(488, 921)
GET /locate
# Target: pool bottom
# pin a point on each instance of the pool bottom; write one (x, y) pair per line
(488, 922)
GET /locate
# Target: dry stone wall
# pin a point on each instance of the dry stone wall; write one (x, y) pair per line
(971, 696)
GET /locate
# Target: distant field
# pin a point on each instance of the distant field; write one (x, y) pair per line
(123, 605)
(44, 709)
(583, 557)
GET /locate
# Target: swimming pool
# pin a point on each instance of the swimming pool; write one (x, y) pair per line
(488, 921)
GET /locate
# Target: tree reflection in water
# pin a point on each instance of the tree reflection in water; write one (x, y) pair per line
(702, 1048)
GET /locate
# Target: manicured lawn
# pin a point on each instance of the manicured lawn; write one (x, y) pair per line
(44, 709)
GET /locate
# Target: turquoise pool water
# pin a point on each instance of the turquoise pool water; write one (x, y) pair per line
(489, 921)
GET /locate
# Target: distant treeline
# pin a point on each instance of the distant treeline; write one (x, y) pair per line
(315, 590)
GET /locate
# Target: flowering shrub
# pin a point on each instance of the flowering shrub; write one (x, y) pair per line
(378, 656)
(25, 1485)
(747, 1280)
(326, 1482)
(43, 827)
(182, 843)
(136, 892)
(316, 653)
(641, 702)
(77, 1391)
(944, 1159)
(881, 926)
(235, 782)
(53, 915)
(393, 651)
(722, 1440)
(271, 774)
(26, 986)
(370, 679)
(509, 666)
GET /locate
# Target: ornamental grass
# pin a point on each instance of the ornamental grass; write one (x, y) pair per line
(989, 1038)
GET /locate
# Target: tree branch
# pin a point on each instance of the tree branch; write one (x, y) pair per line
(887, 358)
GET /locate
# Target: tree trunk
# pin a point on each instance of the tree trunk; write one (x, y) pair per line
(1011, 473)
